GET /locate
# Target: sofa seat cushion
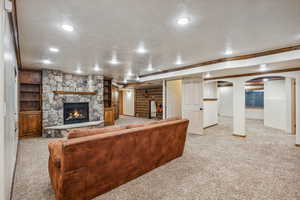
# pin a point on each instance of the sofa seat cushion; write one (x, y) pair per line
(83, 132)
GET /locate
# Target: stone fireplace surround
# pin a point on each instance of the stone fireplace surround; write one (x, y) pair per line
(52, 104)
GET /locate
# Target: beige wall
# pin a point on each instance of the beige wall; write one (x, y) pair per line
(173, 98)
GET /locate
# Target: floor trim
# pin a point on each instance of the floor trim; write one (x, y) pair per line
(211, 126)
(15, 169)
(237, 135)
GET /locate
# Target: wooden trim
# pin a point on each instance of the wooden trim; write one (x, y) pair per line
(260, 83)
(13, 18)
(255, 73)
(210, 99)
(78, 93)
(237, 135)
(255, 107)
(253, 89)
(297, 145)
(211, 126)
(132, 116)
(220, 60)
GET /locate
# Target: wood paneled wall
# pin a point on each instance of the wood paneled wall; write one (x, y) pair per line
(142, 101)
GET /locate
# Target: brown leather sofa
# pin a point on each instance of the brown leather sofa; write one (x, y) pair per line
(91, 162)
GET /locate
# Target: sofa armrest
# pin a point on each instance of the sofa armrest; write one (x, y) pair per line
(55, 150)
(55, 165)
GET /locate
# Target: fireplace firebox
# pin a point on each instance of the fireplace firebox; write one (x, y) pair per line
(76, 113)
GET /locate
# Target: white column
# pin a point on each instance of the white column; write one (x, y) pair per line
(288, 92)
(239, 108)
(298, 110)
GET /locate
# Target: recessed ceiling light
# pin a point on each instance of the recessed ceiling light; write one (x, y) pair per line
(263, 67)
(129, 73)
(78, 71)
(207, 75)
(67, 27)
(114, 61)
(97, 68)
(141, 50)
(178, 61)
(150, 68)
(182, 21)
(53, 49)
(265, 80)
(228, 52)
(47, 62)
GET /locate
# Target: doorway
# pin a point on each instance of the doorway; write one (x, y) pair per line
(183, 98)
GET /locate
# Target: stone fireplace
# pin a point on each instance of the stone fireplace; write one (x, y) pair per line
(53, 104)
(76, 113)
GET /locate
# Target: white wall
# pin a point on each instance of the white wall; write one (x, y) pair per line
(210, 90)
(173, 98)
(275, 104)
(2, 160)
(288, 93)
(255, 113)
(210, 113)
(225, 105)
(128, 102)
(8, 107)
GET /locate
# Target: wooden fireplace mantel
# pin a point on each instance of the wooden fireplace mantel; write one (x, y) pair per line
(78, 93)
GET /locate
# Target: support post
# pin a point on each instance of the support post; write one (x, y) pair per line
(239, 108)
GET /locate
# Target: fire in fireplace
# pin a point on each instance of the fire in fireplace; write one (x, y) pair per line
(76, 113)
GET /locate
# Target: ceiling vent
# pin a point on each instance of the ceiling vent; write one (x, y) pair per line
(8, 5)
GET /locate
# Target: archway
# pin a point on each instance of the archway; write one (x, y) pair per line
(270, 103)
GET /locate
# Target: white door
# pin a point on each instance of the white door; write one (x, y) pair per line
(192, 104)
(173, 99)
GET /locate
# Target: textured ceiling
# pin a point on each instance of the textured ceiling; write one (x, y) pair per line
(107, 27)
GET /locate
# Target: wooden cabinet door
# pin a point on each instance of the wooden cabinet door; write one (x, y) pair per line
(30, 124)
(109, 116)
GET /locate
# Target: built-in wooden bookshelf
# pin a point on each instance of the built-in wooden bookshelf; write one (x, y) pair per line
(109, 110)
(30, 103)
(107, 92)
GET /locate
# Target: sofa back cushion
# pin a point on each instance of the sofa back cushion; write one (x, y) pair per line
(142, 125)
(83, 132)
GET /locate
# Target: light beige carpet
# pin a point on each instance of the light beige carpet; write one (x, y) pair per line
(265, 165)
